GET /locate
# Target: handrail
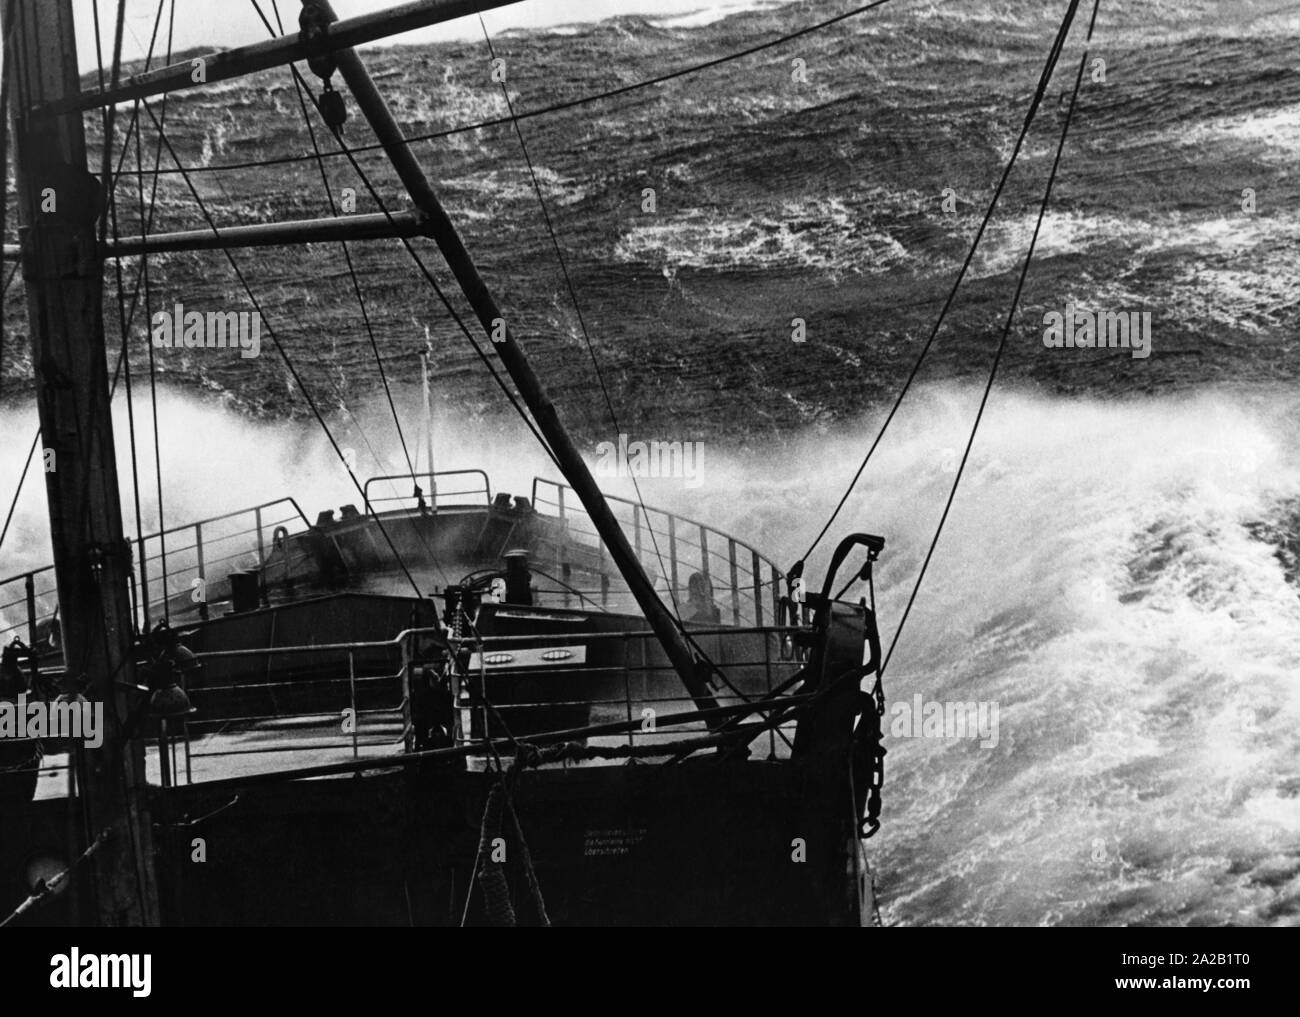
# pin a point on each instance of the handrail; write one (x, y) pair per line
(155, 592)
(177, 529)
(741, 574)
(225, 536)
(397, 641)
(23, 575)
(487, 485)
(382, 722)
(504, 744)
(230, 515)
(644, 510)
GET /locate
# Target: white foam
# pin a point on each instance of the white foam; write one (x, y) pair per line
(820, 233)
(711, 15)
(1276, 131)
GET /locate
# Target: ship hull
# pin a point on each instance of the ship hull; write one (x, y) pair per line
(705, 842)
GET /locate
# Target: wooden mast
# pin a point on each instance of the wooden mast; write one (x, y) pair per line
(59, 203)
(694, 671)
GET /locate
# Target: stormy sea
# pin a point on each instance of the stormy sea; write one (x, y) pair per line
(759, 251)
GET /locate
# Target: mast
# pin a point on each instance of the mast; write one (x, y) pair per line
(693, 671)
(59, 203)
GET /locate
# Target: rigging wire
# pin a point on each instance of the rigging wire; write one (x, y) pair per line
(19, 490)
(145, 278)
(109, 202)
(460, 322)
(146, 225)
(365, 315)
(121, 162)
(4, 195)
(577, 307)
(142, 276)
(125, 358)
(570, 588)
(1050, 66)
(24, 96)
(110, 112)
(299, 85)
(1006, 328)
(135, 111)
(301, 90)
(284, 355)
(347, 250)
(126, 148)
(130, 401)
(36, 437)
(303, 87)
(559, 106)
(85, 480)
(419, 262)
(595, 363)
(446, 302)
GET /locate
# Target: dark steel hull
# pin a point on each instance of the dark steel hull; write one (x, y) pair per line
(701, 843)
